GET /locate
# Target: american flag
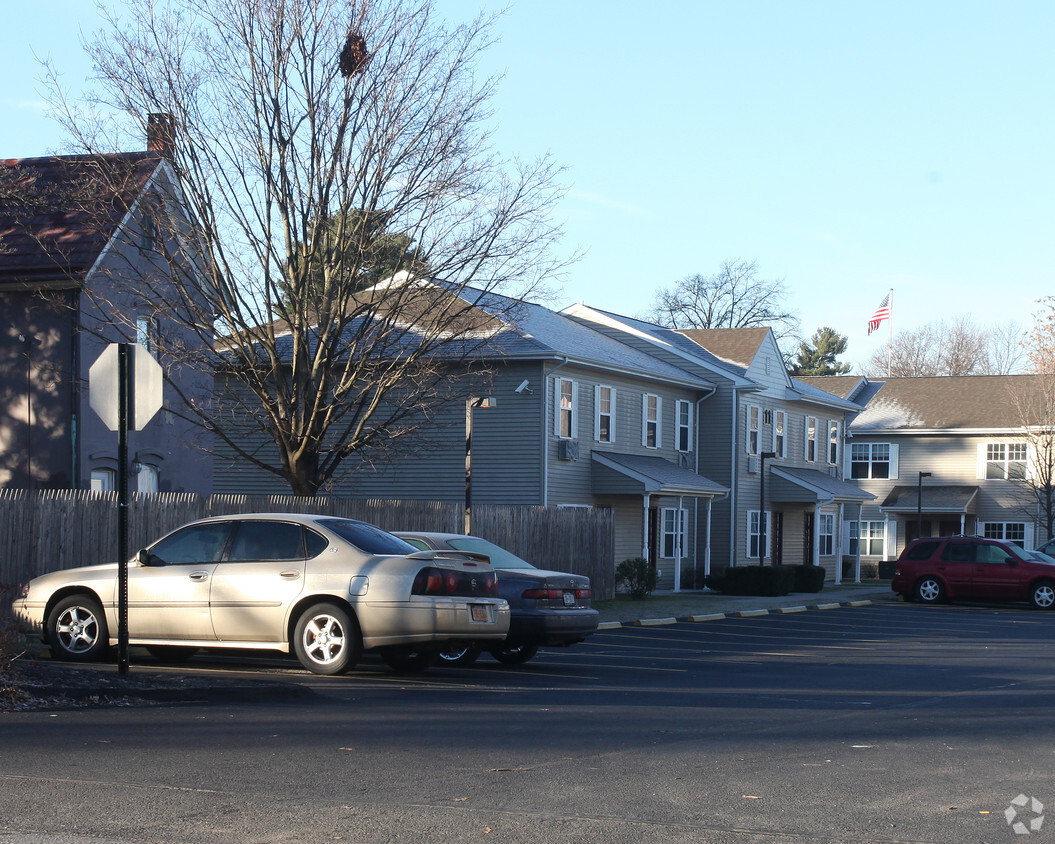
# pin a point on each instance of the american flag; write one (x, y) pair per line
(881, 313)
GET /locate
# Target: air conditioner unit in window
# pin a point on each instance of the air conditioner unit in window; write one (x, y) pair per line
(567, 450)
(753, 464)
(685, 460)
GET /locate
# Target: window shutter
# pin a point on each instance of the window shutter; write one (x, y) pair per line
(980, 463)
(1029, 535)
(1032, 469)
(893, 460)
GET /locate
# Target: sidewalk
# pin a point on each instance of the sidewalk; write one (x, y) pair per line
(666, 606)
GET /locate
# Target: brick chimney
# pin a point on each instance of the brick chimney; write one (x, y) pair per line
(161, 134)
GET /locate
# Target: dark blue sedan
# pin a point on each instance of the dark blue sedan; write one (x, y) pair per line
(545, 607)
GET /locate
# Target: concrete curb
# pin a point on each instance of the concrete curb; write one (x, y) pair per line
(717, 616)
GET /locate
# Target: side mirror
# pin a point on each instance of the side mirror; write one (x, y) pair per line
(142, 557)
(1011, 561)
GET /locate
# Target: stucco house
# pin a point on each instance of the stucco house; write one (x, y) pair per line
(78, 235)
(947, 455)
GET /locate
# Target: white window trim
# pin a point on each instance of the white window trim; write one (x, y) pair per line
(598, 414)
(645, 420)
(826, 520)
(679, 426)
(983, 459)
(807, 439)
(834, 444)
(780, 447)
(573, 424)
(892, 461)
(752, 515)
(1027, 531)
(756, 411)
(853, 525)
(677, 537)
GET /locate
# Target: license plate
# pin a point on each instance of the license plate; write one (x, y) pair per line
(480, 612)
(569, 599)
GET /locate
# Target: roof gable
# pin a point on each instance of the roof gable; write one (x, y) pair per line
(58, 213)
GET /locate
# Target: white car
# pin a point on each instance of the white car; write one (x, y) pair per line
(326, 588)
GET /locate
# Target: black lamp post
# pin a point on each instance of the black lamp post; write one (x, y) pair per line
(762, 458)
(919, 505)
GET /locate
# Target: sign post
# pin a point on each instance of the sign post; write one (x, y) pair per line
(125, 387)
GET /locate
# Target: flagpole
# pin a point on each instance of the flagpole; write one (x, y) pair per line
(890, 333)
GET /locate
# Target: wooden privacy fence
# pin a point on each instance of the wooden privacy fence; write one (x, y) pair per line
(57, 529)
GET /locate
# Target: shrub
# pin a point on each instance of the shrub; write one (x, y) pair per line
(638, 576)
(757, 580)
(807, 578)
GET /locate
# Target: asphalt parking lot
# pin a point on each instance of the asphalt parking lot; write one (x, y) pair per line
(881, 723)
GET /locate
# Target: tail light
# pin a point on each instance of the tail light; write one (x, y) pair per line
(437, 581)
(581, 594)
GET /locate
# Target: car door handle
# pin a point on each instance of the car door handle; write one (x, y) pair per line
(289, 575)
(199, 576)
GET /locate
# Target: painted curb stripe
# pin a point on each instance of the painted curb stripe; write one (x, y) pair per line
(653, 622)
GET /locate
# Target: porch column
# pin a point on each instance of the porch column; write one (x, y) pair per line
(816, 561)
(839, 545)
(857, 557)
(707, 547)
(679, 530)
(644, 529)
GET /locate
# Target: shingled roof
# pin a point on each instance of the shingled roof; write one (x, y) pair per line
(58, 213)
(736, 345)
(950, 402)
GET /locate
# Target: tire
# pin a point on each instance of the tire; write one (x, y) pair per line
(929, 590)
(326, 639)
(1042, 595)
(408, 660)
(515, 654)
(457, 655)
(77, 629)
(171, 653)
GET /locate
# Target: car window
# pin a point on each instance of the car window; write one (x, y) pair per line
(368, 538)
(500, 557)
(922, 551)
(316, 542)
(993, 554)
(267, 541)
(192, 544)
(958, 552)
(420, 544)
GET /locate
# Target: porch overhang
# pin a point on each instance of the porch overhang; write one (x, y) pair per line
(810, 487)
(905, 500)
(614, 473)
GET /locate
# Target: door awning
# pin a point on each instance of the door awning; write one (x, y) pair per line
(808, 486)
(635, 474)
(936, 499)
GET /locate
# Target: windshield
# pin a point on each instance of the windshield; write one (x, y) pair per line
(368, 538)
(500, 557)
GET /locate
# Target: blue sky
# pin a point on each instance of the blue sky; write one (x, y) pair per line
(846, 147)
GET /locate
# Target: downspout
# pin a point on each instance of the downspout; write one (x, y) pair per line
(733, 478)
(545, 429)
(696, 501)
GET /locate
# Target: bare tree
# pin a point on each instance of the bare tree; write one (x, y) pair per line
(1033, 397)
(1040, 342)
(735, 297)
(956, 347)
(308, 136)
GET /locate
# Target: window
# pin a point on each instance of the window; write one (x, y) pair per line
(604, 417)
(683, 414)
(675, 536)
(566, 420)
(833, 442)
(148, 333)
(1014, 532)
(650, 410)
(870, 460)
(103, 480)
(754, 423)
(826, 533)
(193, 544)
(150, 232)
(810, 452)
(147, 478)
(258, 541)
(779, 433)
(1005, 461)
(753, 536)
(872, 534)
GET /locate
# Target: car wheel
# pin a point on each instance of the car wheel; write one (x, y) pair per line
(456, 655)
(929, 590)
(1042, 595)
(171, 653)
(77, 629)
(407, 660)
(326, 639)
(515, 655)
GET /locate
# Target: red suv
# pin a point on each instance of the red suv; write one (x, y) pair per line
(934, 569)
